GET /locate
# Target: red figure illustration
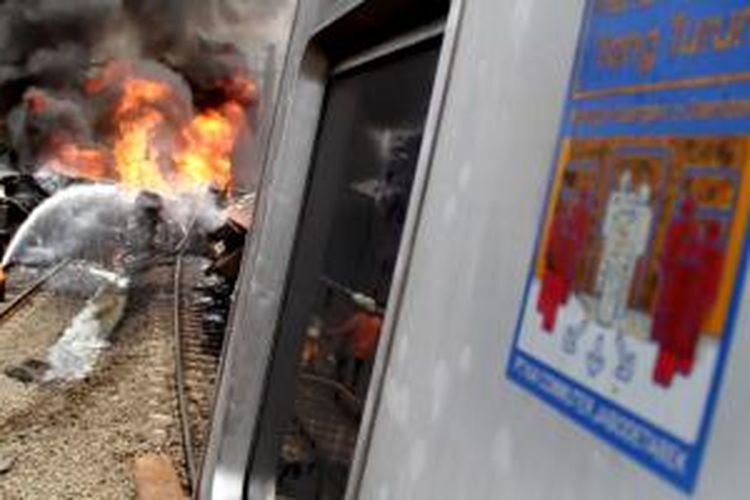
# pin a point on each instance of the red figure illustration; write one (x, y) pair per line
(581, 229)
(704, 292)
(677, 270)
(568, 232)
(553, 290)
(690, 273)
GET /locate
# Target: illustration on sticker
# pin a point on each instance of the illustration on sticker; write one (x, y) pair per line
(630, 303)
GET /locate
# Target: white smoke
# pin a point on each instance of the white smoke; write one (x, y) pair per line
(75, 354)
(90, 221)
(72, 220)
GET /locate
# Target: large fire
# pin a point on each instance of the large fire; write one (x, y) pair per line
(151, 143)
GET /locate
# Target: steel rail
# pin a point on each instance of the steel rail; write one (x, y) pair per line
(190, 387)
(32, 289)
(180, 379)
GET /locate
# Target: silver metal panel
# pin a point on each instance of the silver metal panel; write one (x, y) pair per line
(422, 34)
(264, 269)
(451, 426)
(331, 10)
(450, 32)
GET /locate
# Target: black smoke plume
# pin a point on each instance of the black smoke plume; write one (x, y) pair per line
(51, 49)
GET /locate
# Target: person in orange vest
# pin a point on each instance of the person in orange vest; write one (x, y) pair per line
(360, 335)
(311, 347)
(3, 280)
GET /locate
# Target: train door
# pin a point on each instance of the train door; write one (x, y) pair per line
(358, 195)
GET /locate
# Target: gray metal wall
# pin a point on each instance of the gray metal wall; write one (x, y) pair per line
(263, 273)
(450, 425)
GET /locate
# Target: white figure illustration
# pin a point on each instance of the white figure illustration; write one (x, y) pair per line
(595, 360)
(625, 359)
(617, 202)
(573, 334)
(626, 228)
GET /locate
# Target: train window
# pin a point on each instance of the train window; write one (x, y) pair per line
(349, 238)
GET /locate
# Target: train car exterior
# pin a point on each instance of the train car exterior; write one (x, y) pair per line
(469, 396)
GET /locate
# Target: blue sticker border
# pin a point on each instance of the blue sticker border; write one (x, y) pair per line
(687, 481)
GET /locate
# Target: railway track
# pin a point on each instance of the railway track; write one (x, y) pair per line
(197, 339)
(20, 295)
(198, 342)
(124, 408)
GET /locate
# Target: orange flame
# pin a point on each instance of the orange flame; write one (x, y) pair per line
(138, 120)
(148, 151)
(82, 161)
(207, 146)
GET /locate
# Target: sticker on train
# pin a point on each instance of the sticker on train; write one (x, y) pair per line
(635, 285)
